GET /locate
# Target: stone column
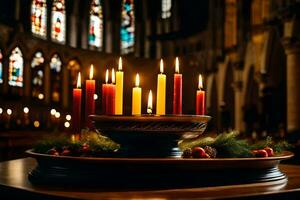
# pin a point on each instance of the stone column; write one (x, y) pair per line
(237, 87)
(65, 86)
(47, 83)
(291, 43)
(293, 86)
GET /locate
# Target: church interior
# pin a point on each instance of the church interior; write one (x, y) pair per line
(247, 52)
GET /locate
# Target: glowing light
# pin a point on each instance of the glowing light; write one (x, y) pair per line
(53, 111)
(57, 115)
(26, 110)
(36, 124)
(41, 96)
(68, 117)
(67, 124)
(106, 76)
(95, 96)
(149, 107)
(200, 83)
(91, 72)
(177, 65)
(1, 110)
(161, 66)
(120, 64)
(137, 80)
(9, 111)
(79, 80)
(113, 75)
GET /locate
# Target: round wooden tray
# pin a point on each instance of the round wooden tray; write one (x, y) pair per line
(150, 135)
(154, 172)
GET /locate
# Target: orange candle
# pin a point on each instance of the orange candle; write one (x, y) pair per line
(111, 95)
(89, 98)
(200, 98)
(76, 115)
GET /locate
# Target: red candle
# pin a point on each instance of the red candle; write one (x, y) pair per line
(177, 97)
(111, 93)
(89, 98)
(76, 115)
(104, 93)
(200, 98)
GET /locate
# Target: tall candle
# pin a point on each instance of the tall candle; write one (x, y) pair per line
(104, 92)
(89, 98)
(149, 105)
(111, 94)
(177, 96)
(161, 91)
(119, 89)
(137, 97)
(76, 115)
(200, 98)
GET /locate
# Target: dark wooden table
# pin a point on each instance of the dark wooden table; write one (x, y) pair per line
(14, 182)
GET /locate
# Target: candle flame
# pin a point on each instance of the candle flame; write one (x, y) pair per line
(161, 66)
(113, 75)
(200, 82)
(177, 65)
(137, 80)
(149, 107)
(91, 71)
(120, 64)
(106, 76)
(79, 80)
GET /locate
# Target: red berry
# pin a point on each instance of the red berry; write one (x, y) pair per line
(261, 153)
(198, 152)
(269, 151)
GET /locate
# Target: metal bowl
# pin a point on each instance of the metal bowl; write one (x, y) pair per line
(150, 135)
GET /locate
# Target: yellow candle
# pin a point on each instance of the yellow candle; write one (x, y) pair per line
(161, 91)
(149, 106)
(137, 97)
(119, 89)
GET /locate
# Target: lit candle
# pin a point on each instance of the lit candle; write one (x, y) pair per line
(136, 97)
(161, 91)
(149, 106)
(177, 97)
(119, 89)
(111, 94)
(104, 92)
(89, 98)
(200, 98)
(76, 115)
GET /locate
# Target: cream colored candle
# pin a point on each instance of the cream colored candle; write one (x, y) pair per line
(119, 89)
(137, 97)
(161, 91)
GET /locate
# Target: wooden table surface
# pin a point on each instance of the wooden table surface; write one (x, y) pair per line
(14, 182)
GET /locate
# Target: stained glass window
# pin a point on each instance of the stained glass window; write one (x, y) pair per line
(166, 6)
(58, 27)
(37, 75)
(1, 68)
(15, 68)
(96, 25)
(55, 67)
(39, 18)
(127, 26)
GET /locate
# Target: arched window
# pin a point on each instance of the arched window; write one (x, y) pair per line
(74, 68)
(55, 67)
(166, 6)
(58, 21)
(37, 76)
(96, 25)
(39, 18)
(127, 26)
(15, 68)
(1, 68)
